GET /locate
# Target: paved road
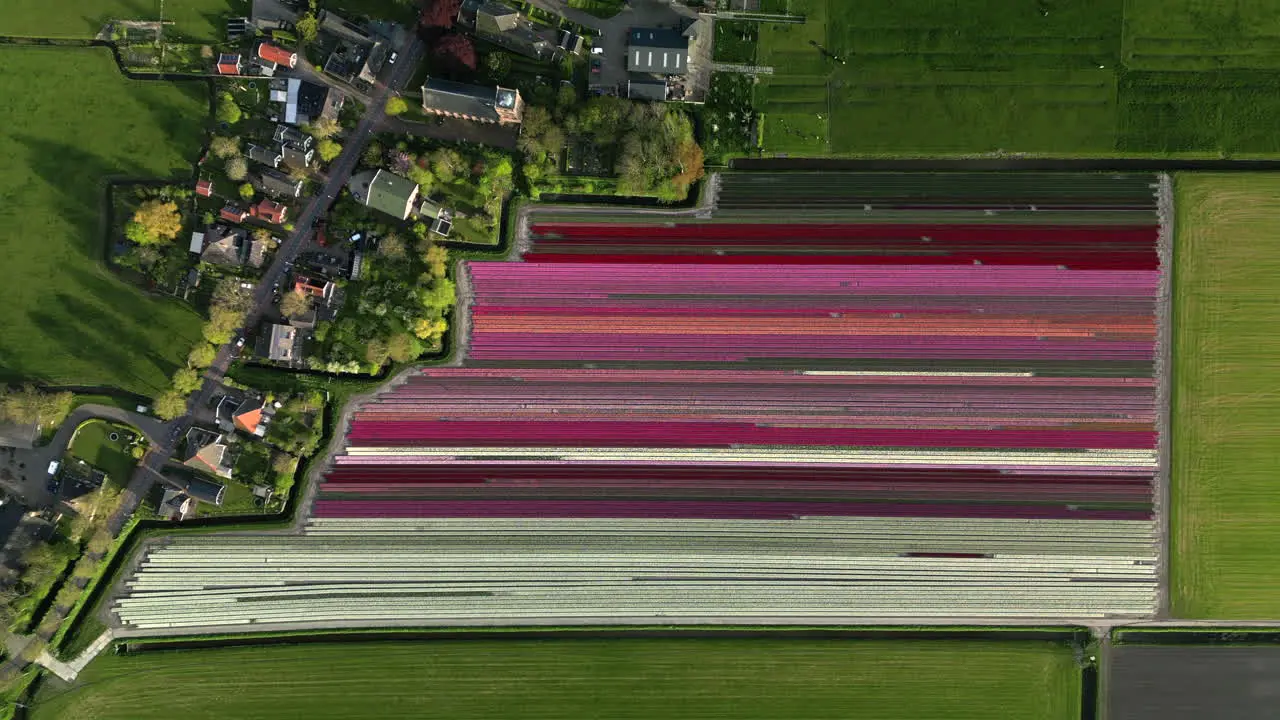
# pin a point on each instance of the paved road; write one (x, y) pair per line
(148, 471)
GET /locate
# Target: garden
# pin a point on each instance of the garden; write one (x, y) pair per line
(66, 133)
(109, 447)
(642, 678)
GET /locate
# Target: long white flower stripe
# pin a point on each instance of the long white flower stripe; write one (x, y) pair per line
(482, 571)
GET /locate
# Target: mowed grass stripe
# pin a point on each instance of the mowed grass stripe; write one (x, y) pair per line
(1225, 555)
(200, 20)
(583, 678)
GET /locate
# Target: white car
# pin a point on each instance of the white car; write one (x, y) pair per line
(597, 50)
(392, 60)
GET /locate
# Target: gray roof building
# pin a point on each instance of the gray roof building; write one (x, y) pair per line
(657, 50)
(207, 452)
(647, 87)
(503, 25)
(384, 190)
(224, 246)
(296, 155)
(472, 102)
(286, 135)
(281, 343)
(270, 157)
(274, 182)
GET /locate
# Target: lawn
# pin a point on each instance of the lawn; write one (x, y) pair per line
(203, 20)
(92, 444)
(1090, 78)
(1225, 554)
(583, 678)
(71, 120)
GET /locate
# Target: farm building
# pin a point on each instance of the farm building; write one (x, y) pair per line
(385, 191)
(657, 50)
(472, 102)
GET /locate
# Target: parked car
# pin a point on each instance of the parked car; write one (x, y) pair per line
(597, 50)
(392, 60)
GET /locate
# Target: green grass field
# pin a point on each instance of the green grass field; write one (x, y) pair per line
(93, 445)
(71, 120)
(201, 20)
(1225, 539)
(616, 679)
(1048, 77)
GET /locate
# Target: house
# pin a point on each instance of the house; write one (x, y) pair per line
(269, 211)
(357, 56)
(663, 51)
(204, 188)
(271, 53)
(274, 182)
(197, 243)
(315, 287)
(175, 505)
(472, 102)
(224, 246)
(286, 135)
(503, 25)
(249, 415)
(305, 102)
(297, 156)
(265, 68)
(206, 452)
(229, 64)
(281, 343)
(642, 86)
(384, 190)
(257, 252)
(269, 157)
(231, 213)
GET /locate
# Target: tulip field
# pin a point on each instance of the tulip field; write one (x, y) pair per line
(938, 398)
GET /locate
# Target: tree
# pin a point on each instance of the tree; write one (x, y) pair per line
(422, 177)
(228, 111)
(170, 405)
(496, 65)
(392, 247)
(222, 324)
(440, 294)
(440, 14)
(322, 128)
(396, 106)
(138, 235)
(403, 347)
(158, 220)
(372, 154)
(689, 160)
(295, 304)
(437, 259)
(202, 355)
(376, 352)
(328, 150)
(229, 295)
(224, 147)
(447, 164)
(98, 505)
(307, 26)
(539, 133)
(246, 191)
(283, 463)
(30, 405)
(456, 52)
(237, 168)
(430, 329)
(186, 381)
(263, 235)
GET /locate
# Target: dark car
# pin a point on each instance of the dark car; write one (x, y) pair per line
(53, 485)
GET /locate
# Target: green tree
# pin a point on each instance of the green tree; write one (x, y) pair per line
(138, 235)
(307, 27)
(392, 246)
(436, 258)
(396, 105)
(170, 405)
(372, 154)
(295, 304)
(497, 65)
(440, 293)
(227, 110)
(422, 177)
(186, 381)
(224, 147)
(447, 164)
(246, 191)
(202, 355)
(376, 352)
(237, 168)
(322, 128)
(328, 150)
(30, 405)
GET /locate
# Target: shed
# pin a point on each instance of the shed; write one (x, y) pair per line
(197, 243)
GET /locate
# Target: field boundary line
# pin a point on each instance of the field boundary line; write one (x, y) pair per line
(1164, 384)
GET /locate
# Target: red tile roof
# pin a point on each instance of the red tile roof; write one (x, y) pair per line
(272, 212)
(304, 284)
(228, 64)
(267, 51)
(205, 188)
(232, 213)
(249, 421)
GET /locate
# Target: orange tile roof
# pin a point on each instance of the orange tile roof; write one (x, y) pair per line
(249, 421)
